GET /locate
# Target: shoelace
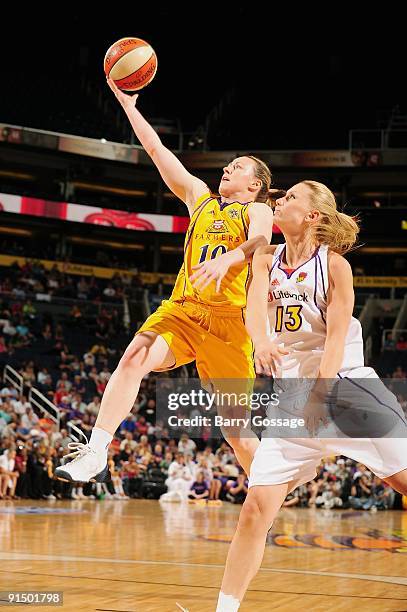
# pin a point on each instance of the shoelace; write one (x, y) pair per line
(79, 450)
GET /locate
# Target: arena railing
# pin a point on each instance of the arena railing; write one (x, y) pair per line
(75, 433)
(42, 403)
(377, 139)
(11, 376)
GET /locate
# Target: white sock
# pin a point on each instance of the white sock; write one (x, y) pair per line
(100, 439)
(227, 603)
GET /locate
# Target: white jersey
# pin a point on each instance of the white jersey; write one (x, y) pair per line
(297, 307)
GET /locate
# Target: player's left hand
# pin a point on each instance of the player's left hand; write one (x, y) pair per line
(315, 412)
(125, 100)
(214, 270)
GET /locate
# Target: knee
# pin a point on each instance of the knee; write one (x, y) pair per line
(252, 518)
(132, 358)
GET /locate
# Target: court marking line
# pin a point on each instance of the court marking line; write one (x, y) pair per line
(401, 580)
(199, 586)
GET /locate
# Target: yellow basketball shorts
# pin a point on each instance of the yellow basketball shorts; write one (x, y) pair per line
(214, 336)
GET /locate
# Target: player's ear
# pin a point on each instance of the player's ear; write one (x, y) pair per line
(313, 215)
(255, 184)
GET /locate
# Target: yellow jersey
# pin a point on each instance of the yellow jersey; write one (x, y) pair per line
(214, 229)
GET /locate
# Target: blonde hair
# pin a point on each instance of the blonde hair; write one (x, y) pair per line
(262, 172)
(336, 229)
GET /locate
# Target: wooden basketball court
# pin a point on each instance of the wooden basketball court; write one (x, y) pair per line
(139, 555)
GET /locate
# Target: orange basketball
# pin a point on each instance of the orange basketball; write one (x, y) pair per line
(131, 63)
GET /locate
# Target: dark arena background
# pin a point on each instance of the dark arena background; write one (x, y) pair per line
(91, 240)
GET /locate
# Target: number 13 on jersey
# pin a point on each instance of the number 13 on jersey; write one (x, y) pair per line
(289, 317)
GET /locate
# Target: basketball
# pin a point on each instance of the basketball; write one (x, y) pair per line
(131, 63)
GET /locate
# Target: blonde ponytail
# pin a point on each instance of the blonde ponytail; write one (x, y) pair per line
(336, 229)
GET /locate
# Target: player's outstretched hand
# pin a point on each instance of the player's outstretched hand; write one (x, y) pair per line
(123, 98)
(267, 356)
(214, 269)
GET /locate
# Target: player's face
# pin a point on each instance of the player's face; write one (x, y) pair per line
(294, 211)
(238, 176)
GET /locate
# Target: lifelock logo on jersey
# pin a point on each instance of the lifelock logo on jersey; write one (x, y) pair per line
(280, 295)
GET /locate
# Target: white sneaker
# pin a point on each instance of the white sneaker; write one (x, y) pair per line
(51, 496)
(87, 465)
(74, 495)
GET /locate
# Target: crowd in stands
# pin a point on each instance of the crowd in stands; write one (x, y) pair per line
(144, 461)
(70, 361)
(80, 254)
(31, 278)
(342, 483)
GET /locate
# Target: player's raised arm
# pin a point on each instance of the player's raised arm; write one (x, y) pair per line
(182, 183)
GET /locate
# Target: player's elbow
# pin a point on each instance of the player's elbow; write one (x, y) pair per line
(261, 242)
(152, 150)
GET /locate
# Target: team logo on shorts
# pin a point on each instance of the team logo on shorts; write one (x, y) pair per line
(233, 213)
(302, 276)
(218, 227)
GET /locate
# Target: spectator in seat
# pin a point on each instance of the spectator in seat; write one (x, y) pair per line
(125, 454)
(29, 376)
(21, 405)
(22, 488)
(116, 478)
(8, 475)
(141, 426)
(360, 492)
(399, 373)
(78, 385)
(166, 462)
(199, 489)
(42, 376)
(128, 424)
(132, 478)
(47, 388)
(186, 446)
(143, 447)
(389, 343)
(105, 374)
(89, 360)
(29, 420)
(76, 315)
(237, 489)
(29, 310)
(94, 406)
(128, 442)
(179, 480)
